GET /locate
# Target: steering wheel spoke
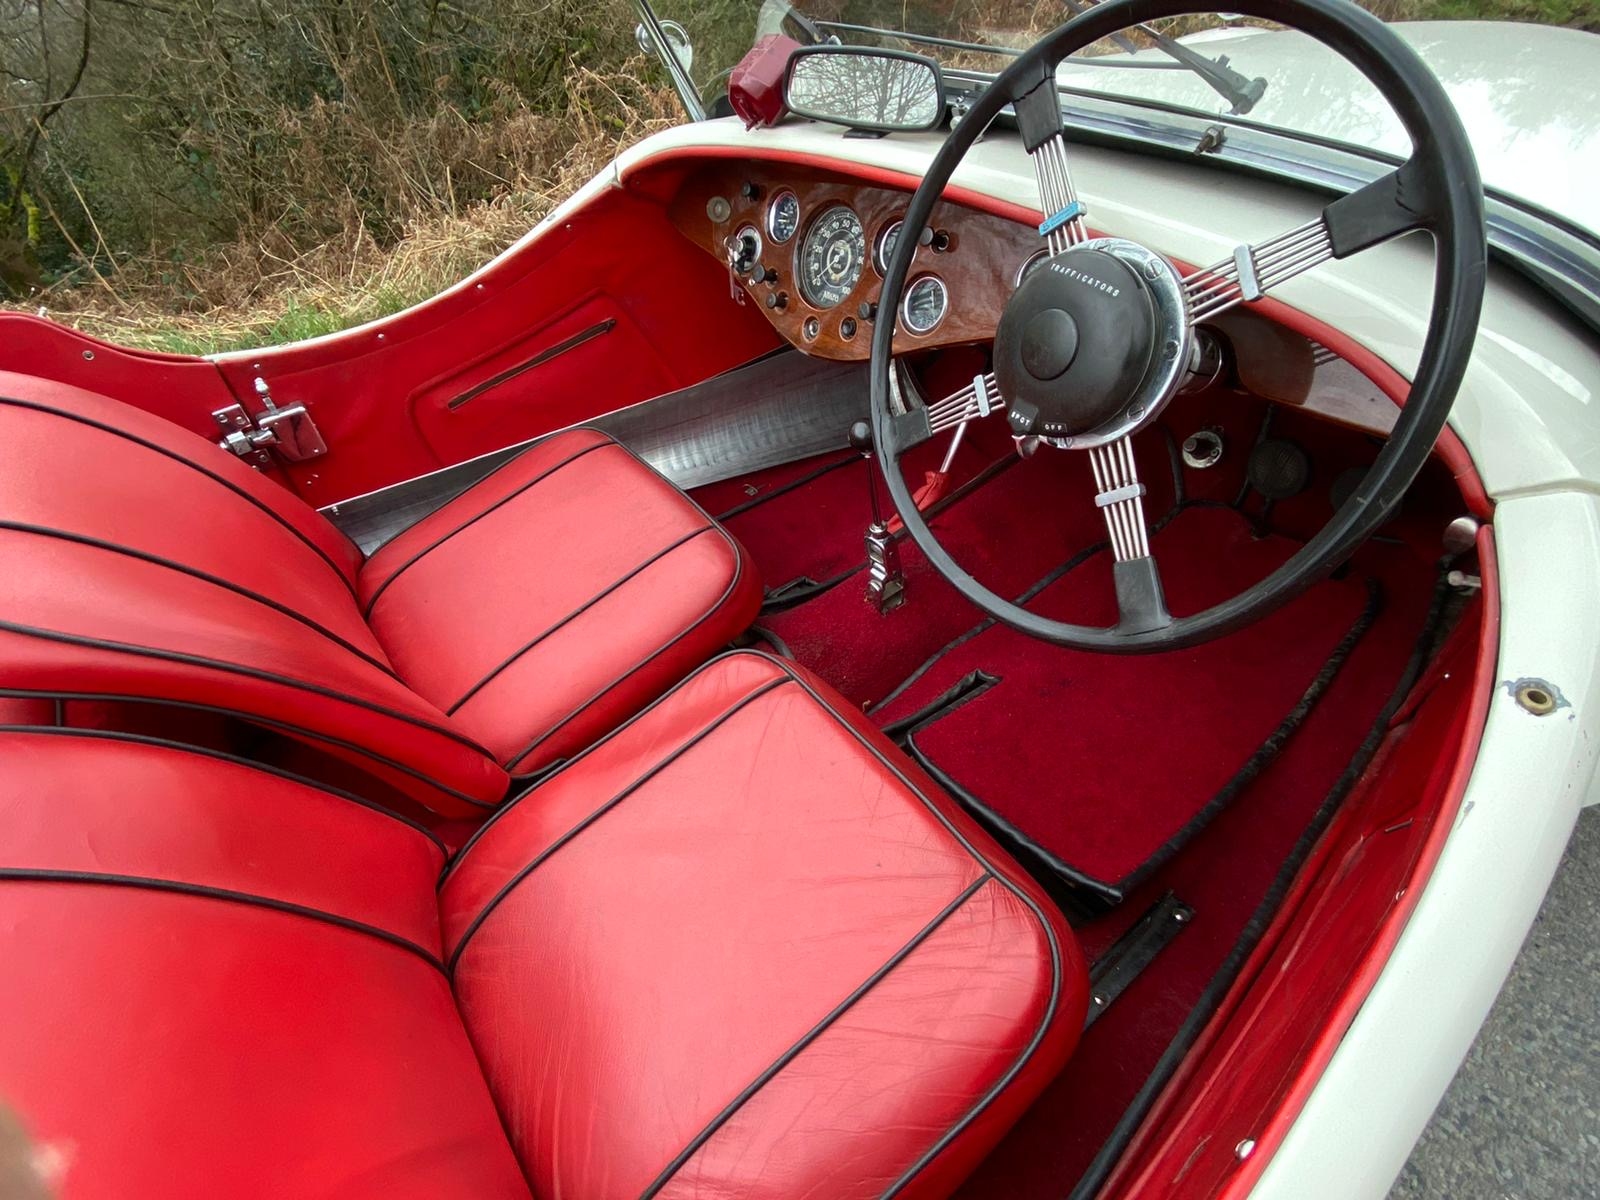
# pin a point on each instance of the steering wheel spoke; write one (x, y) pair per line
(971, 403)
(1252, 271)
(1039, 120)
(1120, 497)
(1396, 204)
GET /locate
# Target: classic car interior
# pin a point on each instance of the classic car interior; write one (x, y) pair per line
(789, 682)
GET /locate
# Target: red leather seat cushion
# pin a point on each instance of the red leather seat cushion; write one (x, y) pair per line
(219, 981)
(557, 597)
(741, 948)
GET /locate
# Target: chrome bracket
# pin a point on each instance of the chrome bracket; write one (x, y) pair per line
(886, 585)
(288, 429)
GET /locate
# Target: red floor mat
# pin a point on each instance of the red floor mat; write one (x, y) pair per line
(1224, 872)
(1104, 760)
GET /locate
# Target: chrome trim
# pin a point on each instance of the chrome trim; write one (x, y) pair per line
(905, 305)
(1120, 497)
(1174, 345)
(880, 256)
(772, 208)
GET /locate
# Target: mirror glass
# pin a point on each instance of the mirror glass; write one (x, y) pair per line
(866, 90)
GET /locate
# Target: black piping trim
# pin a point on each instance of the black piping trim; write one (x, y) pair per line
(733, 584)
(1212, 995)
(1056, 962)
(576, 613)
(1269, 749)
(299, 731)
(140, 739)
(550, 773)
(1077, 560)
(809, 477)
(678, 752)
(1056, 969)
(204, 577)
(34, 406)
(1046, 868)
(195, 660)
(500, 503)
(41, 875)
(816, 1031)
(538, 360)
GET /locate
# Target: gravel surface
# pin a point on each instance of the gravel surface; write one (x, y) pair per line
(1522, 1119)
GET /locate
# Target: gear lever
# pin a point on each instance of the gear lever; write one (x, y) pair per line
(886, 586)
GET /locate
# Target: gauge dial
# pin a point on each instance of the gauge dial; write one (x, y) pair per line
(783, 216)
(831, 257)
(926, 302)
(885, 246)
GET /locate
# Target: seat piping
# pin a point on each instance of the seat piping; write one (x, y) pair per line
(810, 1036)
(300, 731)
(35, 406)
(789, 674)
(142, 739)
(504, 500)
(678, 752)
(197, 660)
(107, 879)
(575, 614)
(205, 577)
(733, 583)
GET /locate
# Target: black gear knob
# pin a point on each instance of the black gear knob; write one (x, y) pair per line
(861, 437)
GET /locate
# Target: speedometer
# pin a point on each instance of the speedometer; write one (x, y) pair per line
(831, 257)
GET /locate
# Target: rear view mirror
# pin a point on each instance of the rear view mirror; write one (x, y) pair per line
(884, 90)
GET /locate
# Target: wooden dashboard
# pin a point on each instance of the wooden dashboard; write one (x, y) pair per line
(827, 312)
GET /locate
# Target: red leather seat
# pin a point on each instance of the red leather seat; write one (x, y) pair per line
(573, 564)
(540, 608)
(739, 948)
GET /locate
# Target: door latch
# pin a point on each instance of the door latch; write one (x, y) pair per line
(288, 429)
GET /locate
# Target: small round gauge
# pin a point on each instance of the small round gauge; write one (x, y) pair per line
(926, 302)
(831, 257)
(1031, 264)
(783, 216)
(885, 246)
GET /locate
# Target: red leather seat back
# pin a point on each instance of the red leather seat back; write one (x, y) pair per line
(143, 562)
(220, 981)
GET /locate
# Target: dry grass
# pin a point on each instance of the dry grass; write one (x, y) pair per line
(264, 289)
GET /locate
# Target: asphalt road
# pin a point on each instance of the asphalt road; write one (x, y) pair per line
(1522, 1119)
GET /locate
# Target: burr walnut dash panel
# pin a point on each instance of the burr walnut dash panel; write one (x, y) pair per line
(979, 265)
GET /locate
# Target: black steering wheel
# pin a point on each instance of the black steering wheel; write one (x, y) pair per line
(1093, 344)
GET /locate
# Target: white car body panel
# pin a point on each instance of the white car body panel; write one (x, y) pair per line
(1529, 96)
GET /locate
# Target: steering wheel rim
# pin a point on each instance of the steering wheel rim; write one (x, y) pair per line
(1438, 188)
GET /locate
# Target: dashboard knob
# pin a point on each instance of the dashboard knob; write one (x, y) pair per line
(771, 275)
(777, 300)
(750, 190)
(867, 309)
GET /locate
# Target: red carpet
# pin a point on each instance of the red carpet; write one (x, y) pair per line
(1103, 759)
(1108, 757)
